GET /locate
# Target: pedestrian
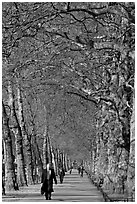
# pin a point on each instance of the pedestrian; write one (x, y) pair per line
(71, 169)
(48, 175)
(61, 174)
(81, 171)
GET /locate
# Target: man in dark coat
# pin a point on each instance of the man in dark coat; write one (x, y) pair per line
(81, 170)
(71, 169)
(48, 175)
(61, 174)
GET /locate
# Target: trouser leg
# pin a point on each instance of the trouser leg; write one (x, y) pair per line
(50, 196)
(46, 196)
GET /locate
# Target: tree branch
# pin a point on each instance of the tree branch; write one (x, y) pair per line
(82, 95)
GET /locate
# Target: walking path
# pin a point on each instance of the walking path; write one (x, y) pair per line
(73, 189)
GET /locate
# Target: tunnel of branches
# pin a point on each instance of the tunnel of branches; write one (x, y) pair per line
(68, 91)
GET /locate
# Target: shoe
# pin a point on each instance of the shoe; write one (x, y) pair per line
(49, 196)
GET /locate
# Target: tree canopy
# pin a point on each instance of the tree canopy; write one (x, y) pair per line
(74, 65)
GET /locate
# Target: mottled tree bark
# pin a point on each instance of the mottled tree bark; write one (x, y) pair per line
(37, 152)
(21, 176)
(10, 177)
(111, 160)
(47, 157)
(131, 165)
(27, 142)
(66, 164)
(45, 148)
(56, 161)
(34, 142)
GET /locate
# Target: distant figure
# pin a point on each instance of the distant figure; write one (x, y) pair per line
(81, 171)
(70, 171)
(48, 175)
(61, 174)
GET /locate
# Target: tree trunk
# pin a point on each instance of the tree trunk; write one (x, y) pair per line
(37, 160)
(52, 156)
(3, 168)
(56, 160)
(131, 166)
(21, 176)
(66, 166)
(10, 177)
(28, 151)
(37, 153)
(112, 155)
(46, 145)
(45, 149)
(64, 162)
(34, 143)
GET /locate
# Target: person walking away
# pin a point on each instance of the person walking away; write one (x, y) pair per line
(48, 175)
(81, 171)
(61, 174)
(71, 169)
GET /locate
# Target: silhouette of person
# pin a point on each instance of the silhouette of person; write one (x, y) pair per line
(48, 175)
(61, 174)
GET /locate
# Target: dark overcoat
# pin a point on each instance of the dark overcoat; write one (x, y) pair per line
(48, 183)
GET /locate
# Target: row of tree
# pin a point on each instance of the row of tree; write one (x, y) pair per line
(23, 165)
(65, 61)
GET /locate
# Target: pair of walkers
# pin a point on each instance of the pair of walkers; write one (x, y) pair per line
(48, 175)
(81, 170)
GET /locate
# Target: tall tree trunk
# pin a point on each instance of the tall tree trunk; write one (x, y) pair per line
(70, 163)
(56, 161)
(35, 146)
(61, 159)
(52, 156)
(28, 150)
(10, 177)
(21, 176)
(46, 145)
(45, 149)
(3, 168)
(66, 165)
(131, 165)
(39, 159)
